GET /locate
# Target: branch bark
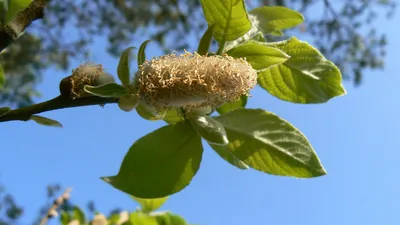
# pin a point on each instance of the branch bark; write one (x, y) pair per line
(11, 31)
(60, 102)
(57, 203)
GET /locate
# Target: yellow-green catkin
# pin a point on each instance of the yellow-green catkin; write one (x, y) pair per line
(192, 81)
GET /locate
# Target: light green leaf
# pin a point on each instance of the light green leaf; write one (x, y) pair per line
(128, 103)
(2, 77)
(150, 204)
(172, 116)
(228, 156)
(15, 6)
(4, 110)
(259, 36)
(272, 19)
(270, 144)
(307, 77)
(205, 41)
(168, 218)
(230, 106)
(277, 33)
(123, 70)
(209, 129)
(229, 18)
(46, 121)
(141, 53)
(139, 218)
(160, 163)
(148, 113)
(78, 214)
(259, 55)
(107, 90)
(65, 218)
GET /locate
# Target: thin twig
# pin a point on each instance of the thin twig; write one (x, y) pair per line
(11, 31)
(60, 102)
(57, 203)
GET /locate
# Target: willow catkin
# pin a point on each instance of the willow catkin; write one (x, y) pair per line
(191, 80)
(85, 74)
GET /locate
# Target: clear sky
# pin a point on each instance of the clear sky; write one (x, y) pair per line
(356, 137)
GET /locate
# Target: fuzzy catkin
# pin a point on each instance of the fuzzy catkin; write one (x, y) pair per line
(85, 74)
(191, 80)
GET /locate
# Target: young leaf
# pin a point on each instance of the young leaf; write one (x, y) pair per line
(141, 53)
(123, 70)
(79, 215)
(65, 218)
(229, 18)
(168, 218)
(259, 55)
(205, 41)
(230, 106)
(107, 90)
(148, 113)
(4, 110)
(3, 11)
(270, 144)
(160, 163)
(150, 204)
(2, 77)
(139, 218)
(128, 102)
(307, 77)
(46, 121)
(273, 19)
(209, 129)
(172, 116)
(228, 156)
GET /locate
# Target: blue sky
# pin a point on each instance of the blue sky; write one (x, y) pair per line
(356, 137)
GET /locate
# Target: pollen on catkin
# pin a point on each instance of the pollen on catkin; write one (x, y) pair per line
(85, 74)
(191, 80)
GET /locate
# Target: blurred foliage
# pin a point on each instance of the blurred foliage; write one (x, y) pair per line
(342, 30)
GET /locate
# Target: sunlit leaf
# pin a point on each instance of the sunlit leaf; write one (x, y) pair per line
(124, 72)
(78, 214)
(141, 53)
(150, 204)
(230, 106)
(107, 90)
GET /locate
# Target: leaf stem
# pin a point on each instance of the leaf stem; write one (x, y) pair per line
(60, 102)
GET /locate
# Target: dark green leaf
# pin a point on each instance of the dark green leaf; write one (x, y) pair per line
(2, 77)
(307, 77)
(229, 18)
(4, 110)
(150, 204)
(228, 156)
(128, 103)
(46, 121)
(124, 72)
(273, 19)
(79, 215)
(160, 163)
(270, 144)
(259, 55)
(3, 11)
(141, 53)
(230, 106)
(205, 41)
(209, 129)
(107, 90)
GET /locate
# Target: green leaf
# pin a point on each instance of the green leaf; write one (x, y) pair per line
(15, 6)
(277, 33)
(107, 90)
(3, 11)
(230, 106)
(2, 77)
(168, 218)
(139, 218)
(148, 113)
(228, 156)
(141, 53)
(65, 218)
(150, 204)
(209, 129)
(123, 70)
(160, 163)
(259, 36)
(45, 121)
(128, 103)
(77, 214)
(273, 19)
(270, 144)
(229, 18)
(172, 116)
(205, 41)
(307, 77)
(4, 111)
(259, 55)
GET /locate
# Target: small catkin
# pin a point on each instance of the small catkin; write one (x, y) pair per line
(85, 74)
(192, 81)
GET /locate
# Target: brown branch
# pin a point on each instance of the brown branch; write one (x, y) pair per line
(57, 203)
(60, 102)
(11, 31)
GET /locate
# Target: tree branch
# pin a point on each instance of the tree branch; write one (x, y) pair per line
(60, 102)
(57, 203)
(11, 31)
